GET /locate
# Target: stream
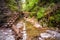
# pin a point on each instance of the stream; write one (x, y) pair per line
(30, 32)
(24, 32)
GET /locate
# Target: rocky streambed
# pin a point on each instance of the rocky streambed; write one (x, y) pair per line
(30, 32)
(6, 34)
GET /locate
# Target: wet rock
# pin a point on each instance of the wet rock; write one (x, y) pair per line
(55, 34)
(10, 37)
(45, 35)
(6, 34)
(51, 32)
(41, 38)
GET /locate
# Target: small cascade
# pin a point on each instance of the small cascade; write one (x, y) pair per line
(24, 32)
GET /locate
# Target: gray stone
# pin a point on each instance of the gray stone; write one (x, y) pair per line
(6, 34)
(55, 34)
(45, 35)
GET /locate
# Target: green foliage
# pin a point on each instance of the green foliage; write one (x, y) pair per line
(30, 4)
(40, 13)
(36, 8)
(54, 19)
(32, 14)
(56, 16)
(11, 4)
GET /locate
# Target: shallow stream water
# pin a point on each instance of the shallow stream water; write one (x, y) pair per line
(30, 32)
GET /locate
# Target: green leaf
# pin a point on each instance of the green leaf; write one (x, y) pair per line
(40, 13)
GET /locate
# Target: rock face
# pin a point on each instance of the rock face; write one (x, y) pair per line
(6, 34)
(50, 34)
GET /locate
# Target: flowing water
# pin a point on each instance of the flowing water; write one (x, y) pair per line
(24, 32)
(30, 32)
